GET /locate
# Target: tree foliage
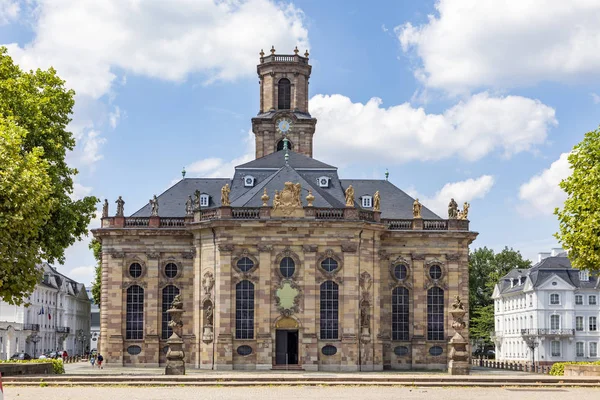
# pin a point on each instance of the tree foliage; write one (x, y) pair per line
(485, 270)
(38, 217)
(96, 247)
(579, 219)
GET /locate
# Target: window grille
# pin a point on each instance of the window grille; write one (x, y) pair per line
(287, 267)
(555, 348)
(555, 322)
(592, 300)
(578, 299)
(244, 310)
(329, 264)
(400, 314)
(284, 94)
(554, 299)
(329, 309)
(435, 314)
(593, 326)
(134, 326)
(579, 349)
(579, 323)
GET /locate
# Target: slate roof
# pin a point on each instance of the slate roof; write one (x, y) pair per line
(271, 172)
(270, 114)
(546, 270)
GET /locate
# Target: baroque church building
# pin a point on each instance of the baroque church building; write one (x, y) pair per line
(285, 265)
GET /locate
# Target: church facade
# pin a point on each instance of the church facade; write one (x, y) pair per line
(284, 265)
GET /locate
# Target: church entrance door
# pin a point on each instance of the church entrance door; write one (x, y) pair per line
(286, 347)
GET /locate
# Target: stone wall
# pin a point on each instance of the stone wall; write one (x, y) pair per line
(582, 370)
(9, 369)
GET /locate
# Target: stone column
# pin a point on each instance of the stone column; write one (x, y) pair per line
(197, 297)
(310, 319)
(114, 310)
(152, 310)
(419, 312)
(225, 309)
(349, 306)
(264, 299)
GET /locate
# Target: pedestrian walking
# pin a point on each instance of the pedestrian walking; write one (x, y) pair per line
(92, 360)
(100, 359)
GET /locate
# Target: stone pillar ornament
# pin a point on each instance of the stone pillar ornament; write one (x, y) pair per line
(154, 206)
(175, 354)
(265, 198)
(377, 201)
(309, 199)
(196, 200)
(189, 208)
(464, 214)
(105, 209)
(120, 207)
(452, 209)
(459, 356)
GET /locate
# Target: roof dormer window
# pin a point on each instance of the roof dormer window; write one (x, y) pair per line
(323, 181)
(367, 201)
(204, 198)
(249, 181)
(584, 276)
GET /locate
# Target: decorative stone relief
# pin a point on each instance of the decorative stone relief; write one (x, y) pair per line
(175, 354)
(207, 332)
(127, 284)
(117, 255)
(264, 248)
(288, 203)
(287, 297)
(452, 256)
(383, 255)
(349, 247)
(225, 247)
(153, 255)
(208, 282)
(418, 257)
(188, 255)
(309, 248)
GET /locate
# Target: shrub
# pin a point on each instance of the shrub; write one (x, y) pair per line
(558, 369)
(57, 365)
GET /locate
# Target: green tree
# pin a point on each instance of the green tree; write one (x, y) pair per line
(485, 270)
(579, 219)
(96, 247)
(35, 108)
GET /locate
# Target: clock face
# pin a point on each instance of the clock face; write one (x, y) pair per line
(284, 125)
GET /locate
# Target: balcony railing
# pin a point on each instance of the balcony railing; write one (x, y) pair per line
(399, 224)
(547, 332)
(245, 213)
(329, 213)
(175, 222)
(31, 327)
(62, 329)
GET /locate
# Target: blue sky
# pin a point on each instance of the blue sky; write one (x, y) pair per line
(465, 99)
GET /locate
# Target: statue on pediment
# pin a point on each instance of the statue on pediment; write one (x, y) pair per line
(225, 196)
(349, 193)
(287, 202)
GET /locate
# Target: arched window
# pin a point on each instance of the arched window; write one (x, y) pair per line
(329, 310)
(134, 328)
(284, 94)
(400, 314)
(168, 294)
(244, 310)
(435, 314)
(280, 145)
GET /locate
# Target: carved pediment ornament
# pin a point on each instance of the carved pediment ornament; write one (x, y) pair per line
(127, 284)
(287, 294)
(188, 255)
(435, 261)
(118, 254)
(452, 256)
(309, 248)
(225, 247)
(435, 282)
(405, 284)
(418, 257)
(288, 201)
(349, 247)
(153, 255)
(264, 248)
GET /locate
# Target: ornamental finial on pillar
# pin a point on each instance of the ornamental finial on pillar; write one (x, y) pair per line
(296, 50)
(306, 53)
(272, 49)
(262, 53)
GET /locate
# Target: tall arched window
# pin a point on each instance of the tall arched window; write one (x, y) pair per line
(284, 94)
(329, 310)
(400, 314)
(168, 294)
(134, 328)
(435, 314)
(244, 310)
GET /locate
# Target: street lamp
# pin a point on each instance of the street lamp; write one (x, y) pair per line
(532, 343)
(80, 336)
(35, 339)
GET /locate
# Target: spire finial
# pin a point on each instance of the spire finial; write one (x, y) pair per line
(387, 174)
(296, 50)
(272, 49)
(285, 148)
(306, 53)
(262, 53)
(183, 173)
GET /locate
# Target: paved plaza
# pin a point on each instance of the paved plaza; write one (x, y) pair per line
(297, 393)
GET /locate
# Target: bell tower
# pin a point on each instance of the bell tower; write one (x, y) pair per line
(283, 111)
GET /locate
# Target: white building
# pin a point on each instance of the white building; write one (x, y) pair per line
(57, 318)
(552, 304)
(95, 321)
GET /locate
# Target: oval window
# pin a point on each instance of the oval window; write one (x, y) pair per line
(329, 350)
(401, 350)
(134, 350)
(171, 270)
(436, 351)
(245, 264)
(244, 350)
(400, 271)
(135, 270)
(287, 266)
(435, 272)
(329, 264)
(94, 339)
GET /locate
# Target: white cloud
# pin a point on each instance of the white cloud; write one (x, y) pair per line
(595, 98)
(470, 129)
(83, 275)
(80, 191)
(89, 42)
(461, 191)
(9, 11)
(541, 194)
(114, 117)
(474, 43)
(92, 142)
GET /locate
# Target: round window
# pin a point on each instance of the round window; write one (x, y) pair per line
(171, 270)
(245, 264)
(287, 266)
(134, 350)
(400, 271)
(436, 351)
(135, 270)
(329, 264)
(244, 350)
(329, 350)
(435, 272)
(401, 351)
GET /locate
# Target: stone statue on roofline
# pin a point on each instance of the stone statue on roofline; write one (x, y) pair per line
(154, 206)
(120, 207)
(464, 214)
(196, 200)
(377, 201)
(417, 206)
(105, 209)
(225, 196)
(349, 196)
(189, 210)
(452, 209)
